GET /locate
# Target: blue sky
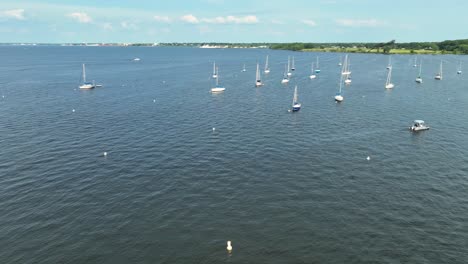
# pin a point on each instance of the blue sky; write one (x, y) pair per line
(57, 21)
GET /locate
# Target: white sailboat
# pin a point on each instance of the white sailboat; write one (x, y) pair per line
(258, 80)
(389, 66)
(388, 83)
(439, 74)
(293, 68)
(267, 69)
(243, 69)
(296, 106)
(419, 78)
(459, 71)
(339, 97)
(317, 70)
(339, 63)
(214, 71)
(346, 66)
(285, 76)
(348, 76)
(84, 84)
(289, 74)
(312, 75)
(217, 88)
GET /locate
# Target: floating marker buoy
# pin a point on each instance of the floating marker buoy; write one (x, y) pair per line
(73, 110)
(105, 154)
(229, 247)
(214, 129)
(368, 158)
(154, 100)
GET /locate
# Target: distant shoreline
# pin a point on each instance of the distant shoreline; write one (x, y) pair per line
(391, 47)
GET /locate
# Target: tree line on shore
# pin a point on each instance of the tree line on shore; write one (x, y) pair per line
(447, 46)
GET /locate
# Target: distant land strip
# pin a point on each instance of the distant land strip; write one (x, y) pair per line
(391, 47)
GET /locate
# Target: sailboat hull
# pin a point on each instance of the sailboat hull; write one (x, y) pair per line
(339, 98)
(296, 108)
(218, 89)
(86, 86)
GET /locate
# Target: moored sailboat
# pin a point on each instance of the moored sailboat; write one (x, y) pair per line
(339, 97)
(285, 76)
(419, 78)
(296, 106)
(388, 83)
(258, 80)
(312, 75)
(317, 68)
(439, 74)
(84, 84)
(217, 88)
(267, 69)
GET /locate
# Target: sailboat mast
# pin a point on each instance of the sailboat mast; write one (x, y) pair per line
(341, 75)
(214, 68)
(295, 95)
(266, 63)
(289, 66)
(440, 69)
(217, 77)
(258, 73)
(420, 67)
(84, 73)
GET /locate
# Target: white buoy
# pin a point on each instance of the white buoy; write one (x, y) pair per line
(229, 247)
(154, 100)
(105, 154)
(214, 129)
(73, 110)
(368, 157)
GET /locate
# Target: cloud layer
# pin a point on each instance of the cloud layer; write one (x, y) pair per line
(220, 19)
(13, 13)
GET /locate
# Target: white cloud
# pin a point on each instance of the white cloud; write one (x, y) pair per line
(358, 22)
(231, 20)
(81, 17)
(13, 13)
(309, 22)
(190, 19)
(220, 19)
(164, 19)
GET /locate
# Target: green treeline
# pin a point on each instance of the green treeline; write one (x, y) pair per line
(448, 46)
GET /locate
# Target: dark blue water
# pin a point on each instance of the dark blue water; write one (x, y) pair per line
(284, 187)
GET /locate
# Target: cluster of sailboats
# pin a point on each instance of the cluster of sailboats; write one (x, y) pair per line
(345, 76)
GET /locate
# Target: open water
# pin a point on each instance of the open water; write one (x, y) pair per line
(283, 187)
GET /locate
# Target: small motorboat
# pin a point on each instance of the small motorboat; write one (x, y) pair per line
(418, 125)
